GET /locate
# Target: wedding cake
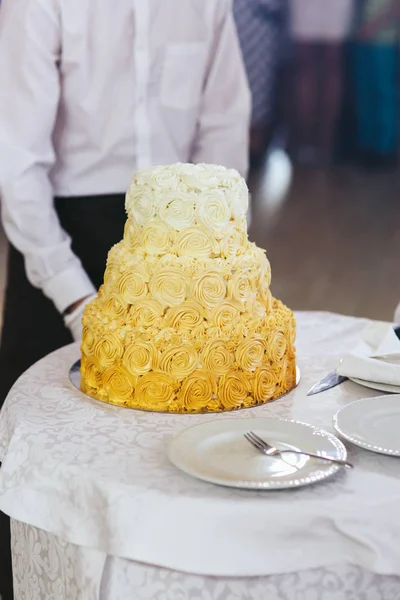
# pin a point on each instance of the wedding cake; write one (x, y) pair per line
(185, 321)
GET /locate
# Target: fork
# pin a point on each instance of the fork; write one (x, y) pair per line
(269, 450)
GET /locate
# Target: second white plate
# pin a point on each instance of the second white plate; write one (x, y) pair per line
(371, 423)
(217, 452)
(381, 387)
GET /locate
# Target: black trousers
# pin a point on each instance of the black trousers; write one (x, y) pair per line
(32, 327)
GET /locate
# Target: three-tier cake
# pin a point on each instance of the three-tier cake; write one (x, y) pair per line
(185, 321)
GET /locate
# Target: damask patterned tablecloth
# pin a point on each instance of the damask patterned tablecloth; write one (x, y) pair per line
(93, 499)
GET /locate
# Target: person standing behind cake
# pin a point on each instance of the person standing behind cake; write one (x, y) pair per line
(319, 28)
(95, 90)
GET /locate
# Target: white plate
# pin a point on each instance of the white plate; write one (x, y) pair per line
(371, 423)
(217, 452)
(381, 387)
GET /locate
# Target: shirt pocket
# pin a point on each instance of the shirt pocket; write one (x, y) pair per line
(183, 75)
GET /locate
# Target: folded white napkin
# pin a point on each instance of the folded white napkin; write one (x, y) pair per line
(397, 314)
(376, 358)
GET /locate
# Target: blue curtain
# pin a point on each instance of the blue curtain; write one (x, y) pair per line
(375, 83)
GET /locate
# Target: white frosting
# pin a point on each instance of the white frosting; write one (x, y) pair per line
(140, 205)
(177, 210)
(183, 195)
(213, 209)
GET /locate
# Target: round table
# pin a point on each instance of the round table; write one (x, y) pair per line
(98, 512)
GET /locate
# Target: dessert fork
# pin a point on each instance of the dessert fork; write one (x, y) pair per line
(269, 450)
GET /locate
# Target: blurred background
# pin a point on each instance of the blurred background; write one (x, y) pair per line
(324, 177)
(324, 150)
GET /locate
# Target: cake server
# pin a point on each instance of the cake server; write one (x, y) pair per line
(333, 379)
(328, 382)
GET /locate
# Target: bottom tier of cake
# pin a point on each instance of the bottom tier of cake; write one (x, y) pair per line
(223, 376)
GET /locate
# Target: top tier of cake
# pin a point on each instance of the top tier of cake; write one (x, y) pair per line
(209, 198)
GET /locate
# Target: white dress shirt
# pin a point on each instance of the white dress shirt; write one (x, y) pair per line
(92, 90)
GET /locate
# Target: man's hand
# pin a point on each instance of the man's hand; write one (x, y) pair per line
(74, 306)
(73, 317)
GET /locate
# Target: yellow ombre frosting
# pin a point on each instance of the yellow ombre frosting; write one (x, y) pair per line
(185, 321)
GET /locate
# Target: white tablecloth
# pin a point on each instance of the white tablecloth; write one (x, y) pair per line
(47, 568)
(96, 479)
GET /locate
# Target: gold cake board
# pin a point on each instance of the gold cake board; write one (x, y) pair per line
(75, 379)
